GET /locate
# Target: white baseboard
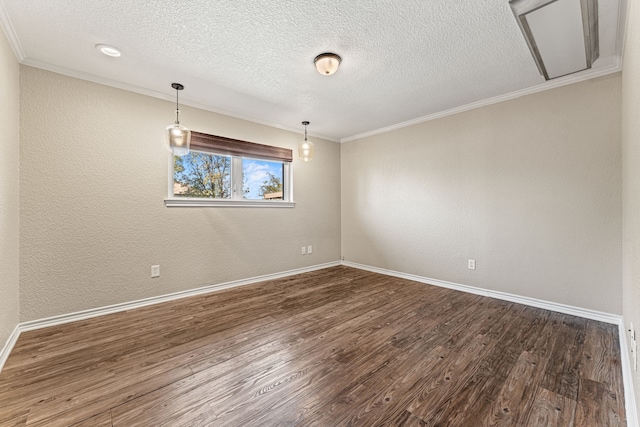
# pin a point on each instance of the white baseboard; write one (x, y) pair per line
(8, 346)
(533, 302)
(627, 378)
(629, 394)
(101, 311)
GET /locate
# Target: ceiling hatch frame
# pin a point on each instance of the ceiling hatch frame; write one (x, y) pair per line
(562, 35)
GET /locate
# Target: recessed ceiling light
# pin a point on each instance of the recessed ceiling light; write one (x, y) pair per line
(108, 50)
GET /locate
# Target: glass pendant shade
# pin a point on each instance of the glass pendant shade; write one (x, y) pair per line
(305, 150)
(179, 138)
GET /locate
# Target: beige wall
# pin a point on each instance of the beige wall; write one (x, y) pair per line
(93, 178)
(529, 188)
(9, 189)
(631, 176)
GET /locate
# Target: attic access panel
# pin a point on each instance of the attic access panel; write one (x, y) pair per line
(561, 34)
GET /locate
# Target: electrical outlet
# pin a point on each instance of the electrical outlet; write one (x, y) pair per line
(304, 250)
(472, 264)
(309, 249)
(155, 271)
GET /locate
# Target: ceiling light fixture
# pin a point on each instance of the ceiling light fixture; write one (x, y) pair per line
(305, 149)
(327, 63)
(178, 136)
(562, 34)
(108, 50)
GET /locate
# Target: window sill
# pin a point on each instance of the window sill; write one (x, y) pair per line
(210, 203)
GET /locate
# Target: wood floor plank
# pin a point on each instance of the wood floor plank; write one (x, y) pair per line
(563, 370)
(19, 420)
(383, 395)
(600, 360)
(514, 401)
(551, 410)
(394, 399)
(332, 347)
(103, 419)
(615, 382)
(597, 406)
(595, 356)
(434, 396)
(474, 401)
(75, 406)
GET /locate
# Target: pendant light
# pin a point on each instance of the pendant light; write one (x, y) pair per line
(178, 136)
(305, 149)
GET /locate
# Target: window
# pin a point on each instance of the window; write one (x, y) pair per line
(262, 179)
(221, 171)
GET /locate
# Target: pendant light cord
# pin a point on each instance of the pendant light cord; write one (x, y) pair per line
(177, 108)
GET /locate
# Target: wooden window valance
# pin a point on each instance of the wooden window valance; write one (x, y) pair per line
(236, 147)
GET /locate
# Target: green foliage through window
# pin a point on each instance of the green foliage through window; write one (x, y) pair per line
(202, 175)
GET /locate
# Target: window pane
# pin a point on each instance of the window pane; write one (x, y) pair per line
(262, 179)
(202, 175)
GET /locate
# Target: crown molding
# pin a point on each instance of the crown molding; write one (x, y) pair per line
(159, 95)
(552, 84)
(10, 32)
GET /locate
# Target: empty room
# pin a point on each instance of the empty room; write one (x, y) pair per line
(275, 213)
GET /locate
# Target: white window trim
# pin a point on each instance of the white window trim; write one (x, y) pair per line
(187, 202)
(236, 201)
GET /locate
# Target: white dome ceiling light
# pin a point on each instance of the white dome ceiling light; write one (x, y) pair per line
(327, 63)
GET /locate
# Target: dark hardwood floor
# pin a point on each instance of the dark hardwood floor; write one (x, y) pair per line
(334, 347)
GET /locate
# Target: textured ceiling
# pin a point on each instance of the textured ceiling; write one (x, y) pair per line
(402, 60)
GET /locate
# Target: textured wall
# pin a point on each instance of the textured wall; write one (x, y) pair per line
(529, 188)
(93, 178)
(9, 189)
(631, 175)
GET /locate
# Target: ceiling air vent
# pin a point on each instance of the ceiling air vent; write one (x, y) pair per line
(562, 34)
